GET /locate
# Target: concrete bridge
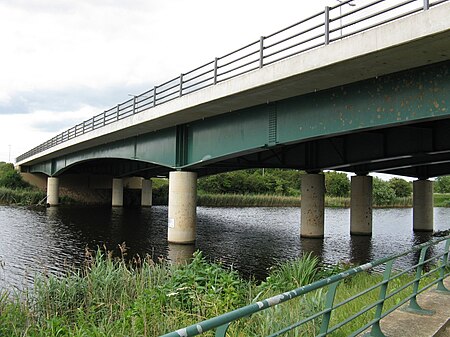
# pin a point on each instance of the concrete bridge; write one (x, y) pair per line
(361, 89)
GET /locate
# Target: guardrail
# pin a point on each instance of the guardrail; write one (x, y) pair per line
(333, 23)
(221, 323)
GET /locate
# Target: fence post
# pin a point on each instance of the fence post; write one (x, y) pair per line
(426, 5)
(413, 306)
(181, 84)
(261, 51)
(222, 330)
(329, 301)
(215, 70)
(440, 286)
(327, 25)
(376, 329)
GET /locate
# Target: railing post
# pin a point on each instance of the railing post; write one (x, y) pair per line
(440, 286)
(413, 306)
(426, 5)
(134, 104)
(215, 70)
(154, 95)
(327, 25)
(376, 329)
(222, 330)
(104, 118)
(329, 301)
(181, 84)
(261, 51)
(118, 110)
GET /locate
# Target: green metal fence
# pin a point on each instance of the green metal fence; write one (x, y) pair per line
(431, 269)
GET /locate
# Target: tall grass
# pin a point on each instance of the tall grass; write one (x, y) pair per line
(110, 297)
(10, 196)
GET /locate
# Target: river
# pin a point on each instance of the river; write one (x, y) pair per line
(48, 240)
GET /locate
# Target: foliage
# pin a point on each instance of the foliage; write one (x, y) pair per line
(401, 187)
(160, 191)
(10, 178)
(383, 194)
(254, 181)
(442, 184)
(337, 184)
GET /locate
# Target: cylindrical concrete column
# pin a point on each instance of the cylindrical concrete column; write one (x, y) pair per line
(312, 210)
(361, 205)
(423, 205)
(182, 207)
(117, 192)
(146, 193)
(52, 191)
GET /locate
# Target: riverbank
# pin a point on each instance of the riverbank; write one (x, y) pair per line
(159, 298)
(242, 200)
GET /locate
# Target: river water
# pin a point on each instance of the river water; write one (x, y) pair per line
(47, 240)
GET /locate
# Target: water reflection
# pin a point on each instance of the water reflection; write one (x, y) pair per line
(250, 239)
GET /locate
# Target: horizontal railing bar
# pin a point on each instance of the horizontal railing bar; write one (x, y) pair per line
(165, 96)
(238, 59)
(197, 76)
(295, 53)
(295, 24)
(177, 85)
(295, 35)
(198, 68)
(197, 83)
(238, 67)
(295, 45)
(167, 82)
(238, 50)
(232, 76)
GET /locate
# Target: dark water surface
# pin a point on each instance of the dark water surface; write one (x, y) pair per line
(250, 239)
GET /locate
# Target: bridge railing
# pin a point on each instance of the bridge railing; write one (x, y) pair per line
(428, 271)
(347, 18)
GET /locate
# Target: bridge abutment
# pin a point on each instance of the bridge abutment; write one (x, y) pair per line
(423, 205)
(53, 191)
(361, 205)
(312, 206)
(146, 193)
(182, 207)
(117, 192)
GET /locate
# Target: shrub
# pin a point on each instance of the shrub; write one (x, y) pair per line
(337, 184)
(401, 187)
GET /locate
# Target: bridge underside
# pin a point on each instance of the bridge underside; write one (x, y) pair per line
(397, 123)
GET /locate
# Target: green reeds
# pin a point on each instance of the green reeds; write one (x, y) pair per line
(10, 196)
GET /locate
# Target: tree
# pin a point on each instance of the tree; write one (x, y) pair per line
(337, 184)
(10, 178)
(401, 187)
(442, 184)
(382, 193)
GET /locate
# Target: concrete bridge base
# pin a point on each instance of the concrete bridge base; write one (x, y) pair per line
(423, 205)
(313, 203)
(361, 205)
(117, 192)
(182, 207)
(52, 191)
(146, 193)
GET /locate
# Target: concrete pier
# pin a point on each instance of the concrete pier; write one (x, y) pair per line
(312, 210)
(52, 191)
(117, 192)
(361, 205)
(146, 193)
(423, 205)
(182, 207)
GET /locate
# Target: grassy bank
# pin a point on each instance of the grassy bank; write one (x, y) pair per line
(245, 200)
(113, 298)
(9, 196)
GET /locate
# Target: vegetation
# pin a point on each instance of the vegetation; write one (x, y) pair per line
(14, 190)
(110, 297)
(442, 184)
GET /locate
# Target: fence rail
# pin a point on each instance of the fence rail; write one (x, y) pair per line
(333, 23)
(438, 265)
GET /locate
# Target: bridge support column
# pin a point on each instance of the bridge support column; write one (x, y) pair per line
(182, 207)
(423, 205)
(361, 205)
(146, 193)
(52, 191)
(117, 192)
(312, 210)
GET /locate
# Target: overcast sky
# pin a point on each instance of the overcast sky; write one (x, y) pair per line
(64, 61)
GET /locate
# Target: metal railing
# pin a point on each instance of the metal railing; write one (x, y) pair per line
(438, 266)
(331, 24)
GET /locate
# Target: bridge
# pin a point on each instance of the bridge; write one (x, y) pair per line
(362, 88)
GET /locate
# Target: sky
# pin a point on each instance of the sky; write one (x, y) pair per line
(62, 62)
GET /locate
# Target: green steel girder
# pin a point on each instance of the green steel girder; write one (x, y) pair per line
(397, 123)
